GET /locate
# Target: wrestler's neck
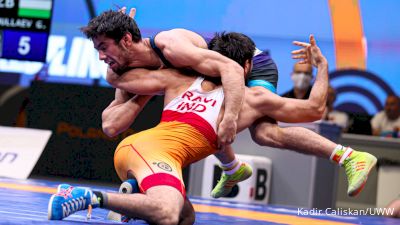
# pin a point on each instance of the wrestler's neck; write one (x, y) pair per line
(142, 55)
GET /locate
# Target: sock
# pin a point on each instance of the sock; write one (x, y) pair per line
(100, 198)
(232, 167)
(340, 153)
(230, 164)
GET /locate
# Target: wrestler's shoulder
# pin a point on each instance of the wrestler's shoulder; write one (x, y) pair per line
(176, 35)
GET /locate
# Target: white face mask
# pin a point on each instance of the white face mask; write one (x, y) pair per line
(301, 81)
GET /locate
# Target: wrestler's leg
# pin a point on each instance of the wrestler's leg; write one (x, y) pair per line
(234, 171)
(159, 178)
(159, 205)
(226, 155)
(266, 132)
(357, 164)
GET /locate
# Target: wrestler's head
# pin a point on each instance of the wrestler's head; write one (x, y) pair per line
(112, 34)
(236, 46)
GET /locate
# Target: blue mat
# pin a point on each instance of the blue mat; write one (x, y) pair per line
(25, 202)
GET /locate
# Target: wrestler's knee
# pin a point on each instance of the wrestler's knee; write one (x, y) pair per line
(267, 135)
(166, 205)
(167, 216)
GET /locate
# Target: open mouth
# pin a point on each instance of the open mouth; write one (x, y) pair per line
(110, 63)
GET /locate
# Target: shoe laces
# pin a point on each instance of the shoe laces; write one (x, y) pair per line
(354, 166)
(350, 169)
(73, 205)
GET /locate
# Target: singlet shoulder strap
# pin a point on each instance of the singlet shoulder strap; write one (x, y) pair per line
(197, 83)
(159, 53)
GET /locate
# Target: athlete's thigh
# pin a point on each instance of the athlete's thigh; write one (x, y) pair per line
(143, 158)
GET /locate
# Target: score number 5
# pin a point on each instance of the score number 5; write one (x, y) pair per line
(24, 45)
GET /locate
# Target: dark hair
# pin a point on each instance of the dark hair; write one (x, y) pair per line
(112, 24)
(235, 46)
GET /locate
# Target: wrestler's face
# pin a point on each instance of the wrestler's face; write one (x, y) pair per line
(112, 53)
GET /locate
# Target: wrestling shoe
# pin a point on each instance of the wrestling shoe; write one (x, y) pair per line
(226, 183)
(62, 187)
(127, 187)
(357, 166)
(69, 200)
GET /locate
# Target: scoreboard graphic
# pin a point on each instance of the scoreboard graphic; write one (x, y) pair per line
(24, 29)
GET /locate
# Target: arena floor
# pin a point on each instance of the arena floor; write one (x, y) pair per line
(25, 202)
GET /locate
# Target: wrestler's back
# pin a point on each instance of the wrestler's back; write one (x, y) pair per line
(247, 114)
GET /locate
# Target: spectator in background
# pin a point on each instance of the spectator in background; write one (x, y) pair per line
(336, 117)
(301, 77)
(387, 123)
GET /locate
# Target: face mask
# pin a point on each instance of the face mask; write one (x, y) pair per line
(301, 81)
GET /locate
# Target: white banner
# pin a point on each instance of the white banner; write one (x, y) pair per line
(20, 149)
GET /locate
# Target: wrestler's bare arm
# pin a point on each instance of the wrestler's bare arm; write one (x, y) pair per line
(124, 109)
(282, 109)
(122, 112)
(296, 110)
(183, 50)
(141, 81)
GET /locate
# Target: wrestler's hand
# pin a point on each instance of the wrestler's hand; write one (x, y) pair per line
(132, 12)
(226, 132)
(310, 53)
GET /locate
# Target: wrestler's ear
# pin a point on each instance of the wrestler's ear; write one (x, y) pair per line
(248, 66)
(126, 40)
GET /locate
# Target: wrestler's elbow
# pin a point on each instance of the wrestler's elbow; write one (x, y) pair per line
(319, 111)
(316, 112)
